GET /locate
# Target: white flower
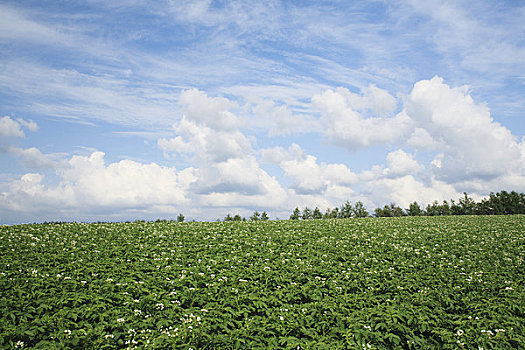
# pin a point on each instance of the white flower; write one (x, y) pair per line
(120, 320)
(460, 332)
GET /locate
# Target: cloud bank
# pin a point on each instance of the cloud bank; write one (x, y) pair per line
(468, 151)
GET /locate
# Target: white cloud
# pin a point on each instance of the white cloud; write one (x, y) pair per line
(308, 176)
(401, 163)
(280, 120)
(10, 128)
(472, 144)
(228, 172)
(206, 144)
(126, 183)
(213, 112)
(87, 185)
(407, 189)
(343, 116)
(238, 183)
(372, 99)
(420, 139)
(33, 158)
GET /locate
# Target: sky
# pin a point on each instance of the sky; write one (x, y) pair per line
(133, 109)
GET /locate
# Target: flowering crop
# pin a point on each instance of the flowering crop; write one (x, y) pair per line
(412, 283)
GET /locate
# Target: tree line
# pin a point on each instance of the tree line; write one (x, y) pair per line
(501, 203)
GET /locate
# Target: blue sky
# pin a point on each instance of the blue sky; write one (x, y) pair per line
(131, 109)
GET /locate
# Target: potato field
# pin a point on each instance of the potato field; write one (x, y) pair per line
(375, 283)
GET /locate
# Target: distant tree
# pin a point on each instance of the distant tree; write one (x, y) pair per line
(317, 213)
(264, 216)
(255, 216)
(296, 215)
(433, 209)
(307, 213)
(359, 210)
(467, 204)
(180, 218)
(396, 210)
(445, 208)
(455, 209)
(228, 217)
(334, 213)
(414, 209)
(346, 210)
(390, 211)
(382, 212)
(237, 217)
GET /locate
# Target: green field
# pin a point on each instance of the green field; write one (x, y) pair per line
(375, 283)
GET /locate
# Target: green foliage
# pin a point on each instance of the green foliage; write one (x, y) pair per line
(501, 203)
(346, 210)
(296, 215)
(180, 218)
(391, 210)
(359, 210)
(409, 283)
(414, 209)
(317, 214)
(307, 214)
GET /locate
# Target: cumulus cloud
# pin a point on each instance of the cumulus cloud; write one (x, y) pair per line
(471, 144)
(213, 112)
(206, 144)
(420, 139)
(357, 121)
(10, 128)
(88, 185)
(32, 158)
(401, 163)
(307, 175)
(238, 183)
(228, 173)
(407, 189)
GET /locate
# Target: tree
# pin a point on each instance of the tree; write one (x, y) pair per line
(228, 217)
(255, 216)
(237, 217)
(296, 215)
(432, 209)
(359, 210)
(180, 218)
(455, 209)
(346, 210)
(467, 204)
(414, 209)
(445, 208)
(307, 213)
(264, 216)
(317, 213)
(332, 213)
(382, 212)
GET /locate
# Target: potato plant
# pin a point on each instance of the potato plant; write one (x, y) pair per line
(375, 283)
